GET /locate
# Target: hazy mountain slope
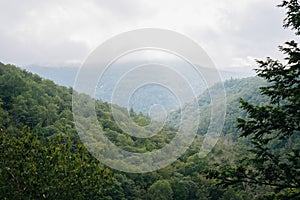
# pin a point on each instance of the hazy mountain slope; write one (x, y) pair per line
(246, 88)
(66, 76)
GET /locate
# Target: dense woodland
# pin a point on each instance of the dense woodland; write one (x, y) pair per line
(257, 157)
(42, 156)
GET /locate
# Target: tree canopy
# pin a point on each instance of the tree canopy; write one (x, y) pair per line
(273, 160)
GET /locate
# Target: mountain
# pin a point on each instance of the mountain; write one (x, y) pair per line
(66, 75)
(42, 155)
(246, 88)
(144, 97)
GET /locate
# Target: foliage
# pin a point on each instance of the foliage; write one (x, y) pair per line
(160, 190)
(33, 167)
(273, 129)
(292, 19)
(45, 108)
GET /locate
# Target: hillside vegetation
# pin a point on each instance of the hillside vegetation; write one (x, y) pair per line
(43, 157)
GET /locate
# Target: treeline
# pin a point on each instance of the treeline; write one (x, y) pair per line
(42, 156)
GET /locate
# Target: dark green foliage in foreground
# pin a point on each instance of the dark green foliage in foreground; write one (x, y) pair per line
(32, 167)
(273, 162)
(292, 19)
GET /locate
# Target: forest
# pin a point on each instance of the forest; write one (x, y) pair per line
(257, 157)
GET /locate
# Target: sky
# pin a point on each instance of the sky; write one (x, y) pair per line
(64, 32)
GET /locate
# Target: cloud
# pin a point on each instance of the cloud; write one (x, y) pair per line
(64, 31)
(247, 62)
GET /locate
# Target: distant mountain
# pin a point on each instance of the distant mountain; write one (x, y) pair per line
(66, 76)
(246, 88)
(143, 98)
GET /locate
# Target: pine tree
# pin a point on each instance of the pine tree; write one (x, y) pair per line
(273, 162)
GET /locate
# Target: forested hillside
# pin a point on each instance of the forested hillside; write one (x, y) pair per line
(42, 156)
(247, 88)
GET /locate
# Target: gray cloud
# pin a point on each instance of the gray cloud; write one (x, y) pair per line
(55, 32)
(244, 35)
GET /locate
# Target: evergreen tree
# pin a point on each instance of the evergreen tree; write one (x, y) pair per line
(273, 129)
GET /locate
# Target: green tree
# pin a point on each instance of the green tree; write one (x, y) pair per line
(160, 190)
(184, 188)
(32, 167)
(273, 129)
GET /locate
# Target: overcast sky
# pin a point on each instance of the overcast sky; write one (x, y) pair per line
(64, 32)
